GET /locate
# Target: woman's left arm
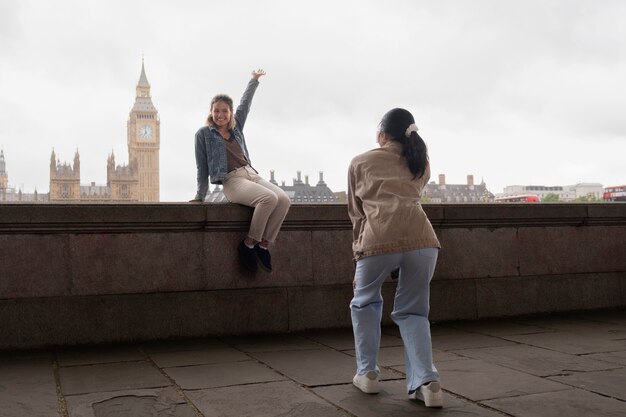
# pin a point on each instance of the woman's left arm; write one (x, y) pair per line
(246, 101)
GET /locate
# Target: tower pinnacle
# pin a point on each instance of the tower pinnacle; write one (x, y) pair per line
(143, 86)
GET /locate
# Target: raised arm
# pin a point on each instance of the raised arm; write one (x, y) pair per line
(246, 101)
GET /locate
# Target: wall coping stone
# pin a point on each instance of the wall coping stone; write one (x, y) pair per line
(186, 217)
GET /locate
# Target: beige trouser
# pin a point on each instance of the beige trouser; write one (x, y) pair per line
(244, 186)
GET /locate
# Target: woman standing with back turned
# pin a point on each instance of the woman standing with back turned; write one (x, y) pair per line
(222, 154)
(390, 231)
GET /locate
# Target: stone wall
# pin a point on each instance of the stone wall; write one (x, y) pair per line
(78, 274)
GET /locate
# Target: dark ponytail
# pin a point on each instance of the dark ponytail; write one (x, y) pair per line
(395, 124)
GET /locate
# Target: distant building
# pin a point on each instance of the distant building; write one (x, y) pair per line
(299, 193)
(457, 193)
(136, 182)
(342, 197)
(4, 176)
(9, 194)
(305, 193)
(565, 192)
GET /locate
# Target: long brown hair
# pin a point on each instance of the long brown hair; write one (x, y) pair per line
(229, 102)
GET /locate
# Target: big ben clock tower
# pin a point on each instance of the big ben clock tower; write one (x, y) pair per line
(144, 141)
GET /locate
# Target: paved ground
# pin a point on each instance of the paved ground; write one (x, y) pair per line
(570, 365)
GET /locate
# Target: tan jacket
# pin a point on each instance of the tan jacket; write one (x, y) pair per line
(383, 203)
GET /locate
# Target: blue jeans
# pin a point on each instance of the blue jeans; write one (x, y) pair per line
(410, 311)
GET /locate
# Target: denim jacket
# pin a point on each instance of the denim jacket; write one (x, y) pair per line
(211, 150)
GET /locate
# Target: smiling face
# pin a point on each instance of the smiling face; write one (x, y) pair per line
(221, 114)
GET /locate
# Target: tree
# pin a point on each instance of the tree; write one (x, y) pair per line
(589, 198)
(550, 198)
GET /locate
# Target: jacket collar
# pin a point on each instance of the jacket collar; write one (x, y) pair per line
(393, 145)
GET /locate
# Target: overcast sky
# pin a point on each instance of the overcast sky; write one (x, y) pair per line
(513, 92)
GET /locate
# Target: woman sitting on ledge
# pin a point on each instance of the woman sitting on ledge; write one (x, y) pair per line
(222, 154)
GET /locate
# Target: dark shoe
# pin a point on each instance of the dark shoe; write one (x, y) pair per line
(247, 257)
(264, 257)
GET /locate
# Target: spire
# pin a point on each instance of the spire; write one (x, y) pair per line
(143, 80)
(53, 160)
(143, 101)
(2, 162)
(76, 166)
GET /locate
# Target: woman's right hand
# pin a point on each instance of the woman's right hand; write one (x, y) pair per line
(256, 74)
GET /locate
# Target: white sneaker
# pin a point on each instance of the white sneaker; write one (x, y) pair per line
(368, 383)
(430, 394)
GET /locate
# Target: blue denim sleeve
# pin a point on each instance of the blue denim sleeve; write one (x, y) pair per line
(202, 166)
(244, 105)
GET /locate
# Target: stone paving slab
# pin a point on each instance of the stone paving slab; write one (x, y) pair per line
(180, 345)
(555, 322)
(579, 325)
(26, 356)
(571, 402)
(110, 377)
(536, 361)
(611, 357)
(453, 339)
(27, 388)
(496, 327)
(480, 380)
(273, 399)
(393, 401)
(387, 356)
(614, 316)
(222, 375)
(134, 403)
(99, 354)
(569, 365)
(441, 356)
(316, 367)
(611, 383)
(272, 343)
(394, 356)
(198, 357)
(343, 339)
(575, 343)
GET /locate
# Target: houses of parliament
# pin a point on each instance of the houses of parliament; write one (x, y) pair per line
(137, 181)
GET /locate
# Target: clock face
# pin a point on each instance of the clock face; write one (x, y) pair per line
(145, 132)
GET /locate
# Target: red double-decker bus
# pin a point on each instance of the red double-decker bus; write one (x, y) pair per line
(617, 193)
(529, 198)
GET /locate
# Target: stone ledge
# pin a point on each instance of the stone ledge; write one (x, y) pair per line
(126, 218)
(104, 273)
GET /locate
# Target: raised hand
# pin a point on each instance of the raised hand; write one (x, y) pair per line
(256, 74)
